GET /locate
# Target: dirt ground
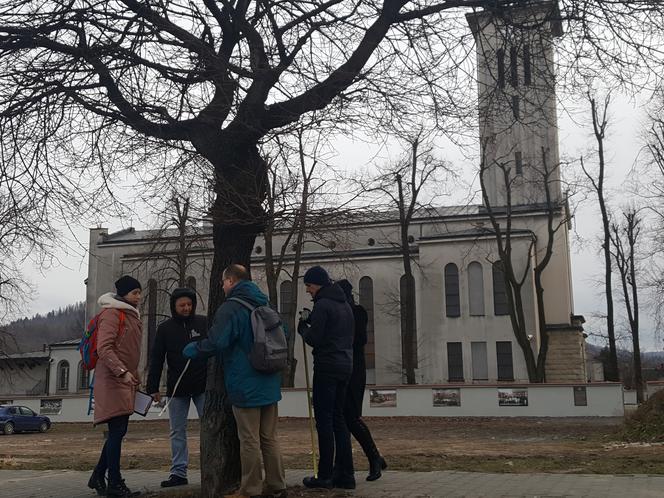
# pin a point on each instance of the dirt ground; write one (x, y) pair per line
(580, 445)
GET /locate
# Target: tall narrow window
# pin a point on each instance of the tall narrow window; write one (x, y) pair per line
(514, 67)
(500, 304)
(515, 107)
(527, 78)
(518, 163)
(475, 289)
(367, 302)
(479, 358)
(286, 303)
(83, 377)
(408, 322)
(500, 57)
(152, 314)
(63, 376)
(454, 362)
(504, 360)
(452, 301)
(191, 282)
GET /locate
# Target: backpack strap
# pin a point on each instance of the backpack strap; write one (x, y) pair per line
(244, 303)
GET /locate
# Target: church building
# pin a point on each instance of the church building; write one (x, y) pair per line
(464, 333)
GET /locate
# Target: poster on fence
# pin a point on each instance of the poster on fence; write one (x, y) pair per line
(382, 398)
(512, 397)
(446, 397)
(50, 407)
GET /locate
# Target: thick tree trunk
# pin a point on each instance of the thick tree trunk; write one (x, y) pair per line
(237, 219)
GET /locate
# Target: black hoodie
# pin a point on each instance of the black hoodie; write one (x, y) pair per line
(171, 338)
(331, 333)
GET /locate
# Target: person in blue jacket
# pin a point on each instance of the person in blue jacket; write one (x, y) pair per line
(254, 395)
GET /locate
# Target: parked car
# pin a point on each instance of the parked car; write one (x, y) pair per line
(15, 418)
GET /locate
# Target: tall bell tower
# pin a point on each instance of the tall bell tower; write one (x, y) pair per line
(517, 102)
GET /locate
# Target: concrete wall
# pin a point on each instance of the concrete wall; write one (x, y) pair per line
(603, 400)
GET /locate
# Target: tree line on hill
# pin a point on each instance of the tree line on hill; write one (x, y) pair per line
(30, 334)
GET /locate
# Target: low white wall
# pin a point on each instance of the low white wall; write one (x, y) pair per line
(547, 400)
(75, 409)
(543, 400)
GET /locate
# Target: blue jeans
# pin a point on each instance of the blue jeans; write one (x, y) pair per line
(336, 454)
(110, 453)
(178, 409)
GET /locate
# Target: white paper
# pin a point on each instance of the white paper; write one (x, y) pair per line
(142, 403)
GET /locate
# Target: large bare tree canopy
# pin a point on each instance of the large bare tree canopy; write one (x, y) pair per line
(91, 87)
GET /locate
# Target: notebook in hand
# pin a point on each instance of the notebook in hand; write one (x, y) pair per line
(142, 403)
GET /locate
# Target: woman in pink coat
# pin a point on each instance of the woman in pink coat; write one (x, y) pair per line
(116, 379)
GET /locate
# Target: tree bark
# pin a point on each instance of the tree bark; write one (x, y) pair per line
(238, 218)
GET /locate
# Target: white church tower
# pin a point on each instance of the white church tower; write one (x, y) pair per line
(517, 102)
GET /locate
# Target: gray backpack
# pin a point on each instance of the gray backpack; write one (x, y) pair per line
(269, 352)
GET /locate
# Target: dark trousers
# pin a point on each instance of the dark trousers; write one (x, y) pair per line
(336, 456)
(357, 427)
(110, 453)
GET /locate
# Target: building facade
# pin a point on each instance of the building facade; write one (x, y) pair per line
(464, 332)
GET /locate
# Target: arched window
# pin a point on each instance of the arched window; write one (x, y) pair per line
(500, 305)
(500, 57)
(475, 289)
(63, 376)
(83, 377)
(452, 300)
(152, 314)
(367, 302)
(408, 322)
(191, 282)
(286, 303)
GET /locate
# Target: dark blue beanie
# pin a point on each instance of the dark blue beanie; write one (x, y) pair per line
(318, 276)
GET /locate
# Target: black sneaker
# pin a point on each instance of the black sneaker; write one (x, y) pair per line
(120, 489)
(315, 482)
(98, 483)
(174, 480)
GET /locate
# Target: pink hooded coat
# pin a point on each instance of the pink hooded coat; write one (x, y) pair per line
(118, 352)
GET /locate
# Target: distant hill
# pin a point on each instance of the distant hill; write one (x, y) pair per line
(30, 334)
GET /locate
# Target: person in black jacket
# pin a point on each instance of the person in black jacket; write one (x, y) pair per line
(171, 338)
(356, 385)
(329, 331)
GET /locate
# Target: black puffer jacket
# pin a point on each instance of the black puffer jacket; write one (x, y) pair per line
(330, 333)
(171, 338)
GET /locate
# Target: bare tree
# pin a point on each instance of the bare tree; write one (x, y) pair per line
(288, 214)
(600, 121)
(625, 239)
(406, 187)
(95, 85)
(517, 267)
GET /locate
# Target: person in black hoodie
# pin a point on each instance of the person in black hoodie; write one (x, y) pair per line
(329, 331)
(171, 338)
(356, 386)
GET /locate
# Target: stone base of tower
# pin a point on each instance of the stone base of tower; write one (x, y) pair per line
(566, 358)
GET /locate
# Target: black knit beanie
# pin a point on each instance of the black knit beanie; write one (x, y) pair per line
(318, 276)
(126, 284)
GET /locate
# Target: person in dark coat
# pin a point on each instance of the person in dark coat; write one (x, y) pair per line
(172, 336)
(355, 392)
(329, 331)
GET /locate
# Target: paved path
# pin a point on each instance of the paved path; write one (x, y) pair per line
(448, 484)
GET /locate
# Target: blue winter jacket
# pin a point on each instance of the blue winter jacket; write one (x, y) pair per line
(231, 338)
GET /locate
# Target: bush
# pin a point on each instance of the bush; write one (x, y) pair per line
(647, 422)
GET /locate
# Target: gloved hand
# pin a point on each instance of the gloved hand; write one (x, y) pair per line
(302, 326)
(190, 351)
